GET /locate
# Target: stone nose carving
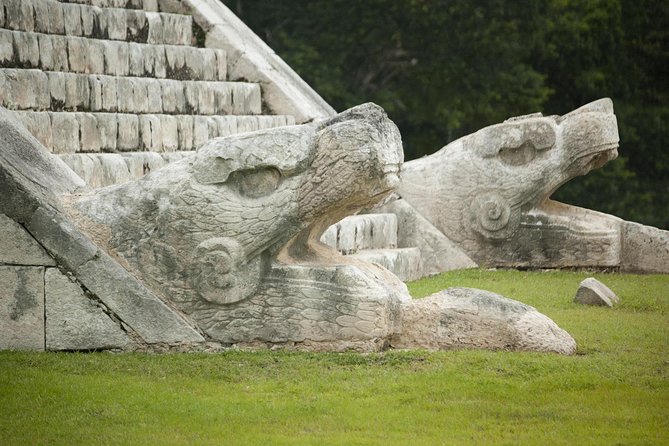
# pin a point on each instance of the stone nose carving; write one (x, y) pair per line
(591, 138)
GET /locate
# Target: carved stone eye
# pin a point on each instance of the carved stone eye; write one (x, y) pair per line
(256, 183)
(517, 156)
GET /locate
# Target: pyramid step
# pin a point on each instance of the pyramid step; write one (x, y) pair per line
(405, 263)
(49, 52)
(32, 89)
(71, 132)
(72, 19)
(149, 5)
(358, 232)
(106, 169)
(174, 6)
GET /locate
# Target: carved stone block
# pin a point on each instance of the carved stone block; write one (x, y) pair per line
(56, 23)
(116, 58)
(6, 46)
(172, 94)
(65, 130)
(644, 248)
(89, 132)
(128, 132)
(53, 53)
(103, 93)
(26, 47)
(18, 247)
(72, 17)
(76, 322)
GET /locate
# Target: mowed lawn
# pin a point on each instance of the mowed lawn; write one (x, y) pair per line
(615, 391)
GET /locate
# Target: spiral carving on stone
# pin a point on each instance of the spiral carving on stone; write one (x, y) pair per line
(492, 216)
(221, 273)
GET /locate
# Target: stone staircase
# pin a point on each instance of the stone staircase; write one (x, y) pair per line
(373, 238)
(117, 88)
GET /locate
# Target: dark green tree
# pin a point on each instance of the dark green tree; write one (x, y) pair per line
(445, 68)
(618, 49)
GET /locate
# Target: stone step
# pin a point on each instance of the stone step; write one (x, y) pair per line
(31, 89)
(50, 52)
(149, 5)
(405, 263)
(358, 232)
(106, 169)
(72, 132)
(72, 19)
(174, 6)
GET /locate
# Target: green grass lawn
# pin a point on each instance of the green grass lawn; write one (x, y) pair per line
(614, 391)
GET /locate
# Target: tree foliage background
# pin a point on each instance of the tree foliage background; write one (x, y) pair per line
(445, 68)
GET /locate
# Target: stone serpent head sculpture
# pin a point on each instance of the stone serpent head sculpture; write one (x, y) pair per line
(230, 235)
(489, 191)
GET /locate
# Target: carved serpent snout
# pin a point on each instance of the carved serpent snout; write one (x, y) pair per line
(356, 161)
(355, 164)
(539, 154)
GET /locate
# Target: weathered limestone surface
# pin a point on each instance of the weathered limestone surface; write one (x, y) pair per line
(52, 52)
(21, 307)
(32, 89)
(593, 292)
(231, 235)
(644, 248)
(71, 132)
(373, 238)
(555, 234)
(18, 247)
(53, 17)
(28, 176)
(106, 169)
(405, 263)
(488, 192)
(76, 322)
(471, 318)
(32, 180)
(224, 245)
(437, 252)
(143, 311)
(172, 6)
(358, 232)
(251, 59)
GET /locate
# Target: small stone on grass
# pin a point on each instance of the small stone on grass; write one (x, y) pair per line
(593, 292)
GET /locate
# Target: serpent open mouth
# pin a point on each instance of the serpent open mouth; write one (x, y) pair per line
(597, 157)
(306, 247)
